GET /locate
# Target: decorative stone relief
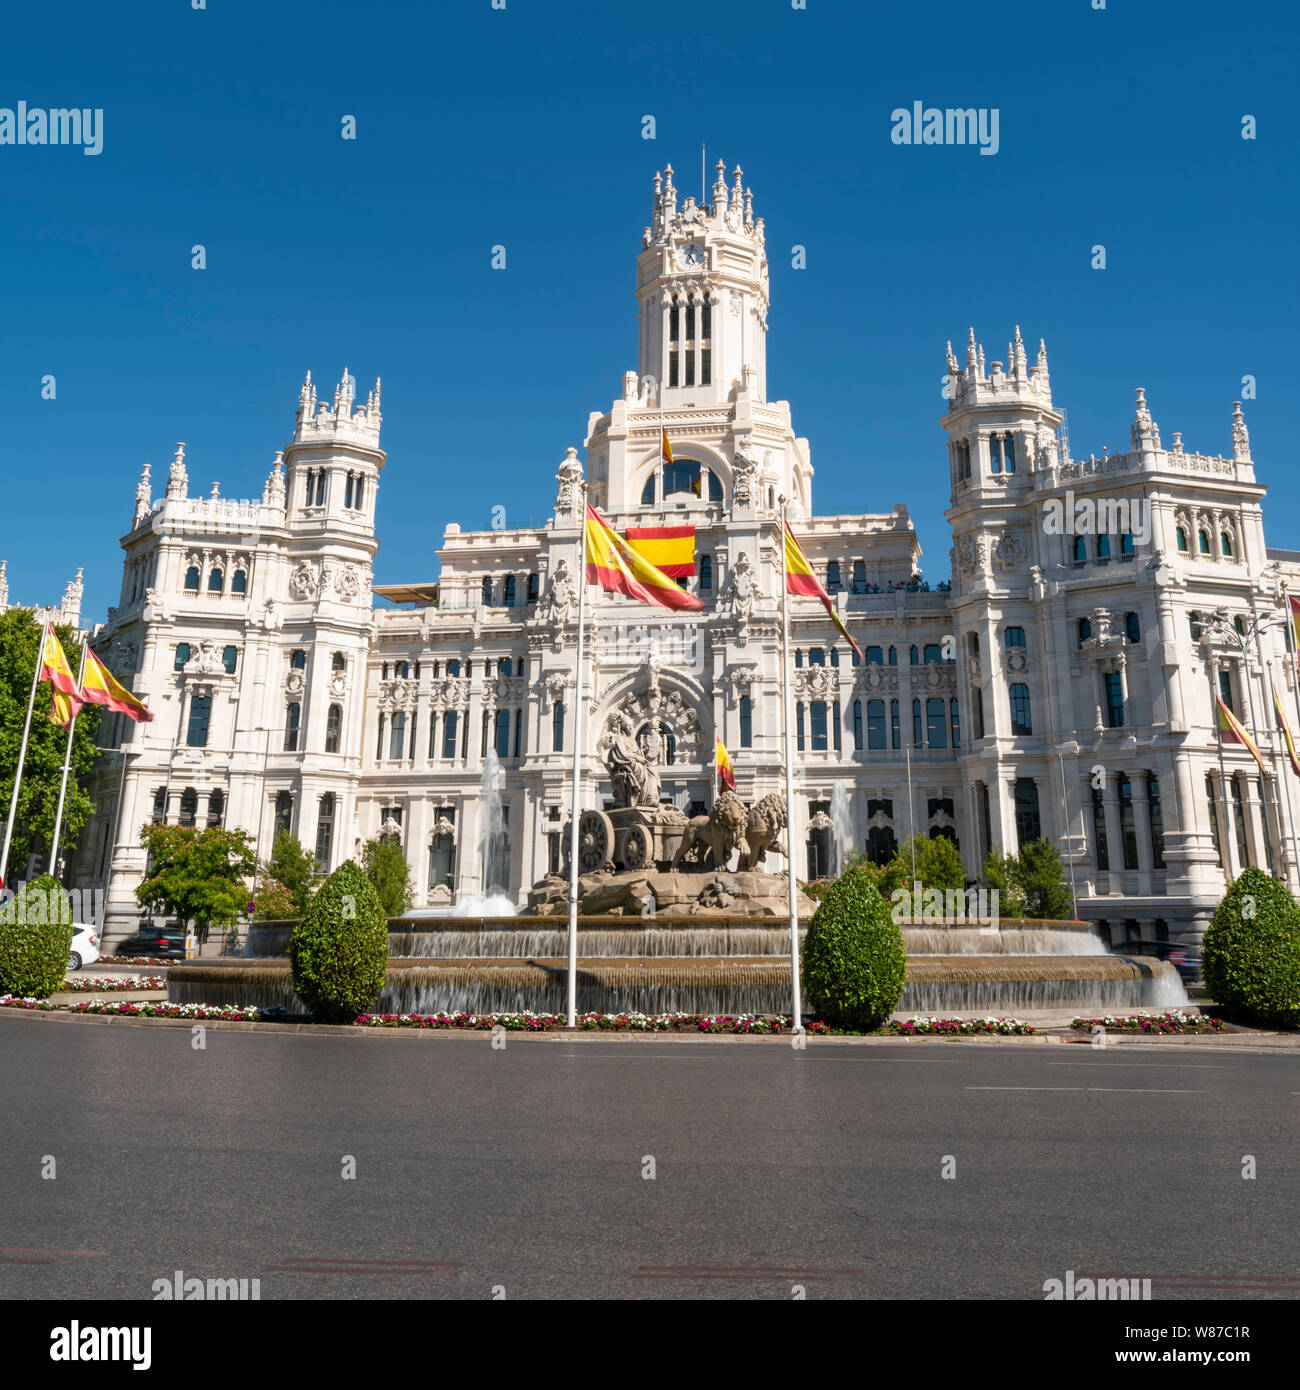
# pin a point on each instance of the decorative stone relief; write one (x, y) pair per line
(740, 680)
(304, 582)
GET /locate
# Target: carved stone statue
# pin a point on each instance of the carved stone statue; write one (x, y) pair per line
(568, 495)
(205, 662)
(634, 779)
(763, 831)
(715, 836)
(741, 591)
(744, 478)
(558, 598)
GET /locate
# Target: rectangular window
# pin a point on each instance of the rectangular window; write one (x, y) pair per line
(397, 738)
(433, 734)
(956, 725)
(747, 722)
(1114, 700)
(798, 728)
(502, 740)
(857, 725)
(1099, 832)
(690, 368)
(916, 723)
(557, 727)
(1157, 821)
(1213, 799)
(449, 734)
(1225, 689)
(519, 731)
(1127, 823)
(672, 369)
(706, 370)
(875, 723)
(817, 714)
(836, 721)
(935, 724)
(895, 735)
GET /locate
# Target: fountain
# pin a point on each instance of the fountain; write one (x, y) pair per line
(841, 828)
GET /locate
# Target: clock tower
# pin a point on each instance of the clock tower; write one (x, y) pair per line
(702, 295)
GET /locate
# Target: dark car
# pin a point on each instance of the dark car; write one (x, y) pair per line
(168, 942)
(1185, 959)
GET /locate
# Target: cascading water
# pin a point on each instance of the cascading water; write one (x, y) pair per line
(493, 852)
(841, 828)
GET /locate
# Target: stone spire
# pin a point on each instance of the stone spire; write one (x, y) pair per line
(143, 498)
(953, 368)
(1039, 375)
(972, 356)
(344, 393)
(4, 585)
(670, 194)
(306, 400)
(737, 187)
(71, 605)
(273, 491)
(1018, 361)
(178, 480)
(1240, 435)
(1144, 433)
(373, 413)
(720, 188)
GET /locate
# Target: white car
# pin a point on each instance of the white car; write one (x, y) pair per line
(85, 946)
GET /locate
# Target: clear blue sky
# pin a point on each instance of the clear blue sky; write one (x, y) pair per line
(523, 127)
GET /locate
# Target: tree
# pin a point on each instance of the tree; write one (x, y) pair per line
(274, 902)
(197, 875)
(35, 937)
(384, 864)
(1002, 875)
(1047, 895)
(339, 951)
(292, 866)
(20, 639)
(853, 961)
(1251, 953)
(938, 865)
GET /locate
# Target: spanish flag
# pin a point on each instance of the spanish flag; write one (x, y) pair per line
(63, 684)
(665, 448)
(617, 568)
(726, 773)
(1295, 628)
(670, 549)
(99, 688)
(1231, 730)
(800, 579)
(1285, 728)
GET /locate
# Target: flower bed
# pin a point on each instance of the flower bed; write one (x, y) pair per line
(138, 960)
(96, 984)
(929, 1027)
(1171, 1021)
(613, 1023)
(146, 1009)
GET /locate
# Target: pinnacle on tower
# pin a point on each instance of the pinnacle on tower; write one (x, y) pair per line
(273, 489)
(720, 187)
(143, 497)
(373, 412)
(737, 188)
(1017, 359)
(1240, 435)
(4, 583)
(1145, 433)
(952, 360)
(972, 354)
(178, 480)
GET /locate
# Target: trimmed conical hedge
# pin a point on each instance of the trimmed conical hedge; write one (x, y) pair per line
(1250, 958)
(339, 950)
(35, 938)
(854, 964)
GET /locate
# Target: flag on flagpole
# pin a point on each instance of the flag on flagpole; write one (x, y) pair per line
(1295, 628)
(1231, 730)
(1284, 725)
(617, 568)
(98, 687)
(800, 579)
(726, 772)
(54, 668)
(665, 448)
(670, 549)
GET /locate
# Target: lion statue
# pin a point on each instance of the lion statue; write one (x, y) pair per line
(763, 832)
(715, 835)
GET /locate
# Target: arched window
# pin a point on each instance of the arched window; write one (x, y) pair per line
(835, 656)
(1181, 537)
(798, 657)
(995, 453)
(397, 734)
(875, 723)
(216, 581)
(292, 717)
(935, 724)
(189, 806)
(337, 662)
(508, 598)
(746, 722)
(283, 812)
(1225, 544)
(681, 476)
(1103, 547)
(505, 667)
(1203, 541)
(1085, 630)
(1028, 823)
(531, 591)
(325, 830)
(216, 808)
(321, 479)
(182, 656)
(192, 579)
(892, 659)
(914, 656)
(402, 669)
(715, 483)
(1126, 543)
(298, 660)
(200, 714)
(347, 493)
(833, 584)
(1080, 550)
(1014, 637)
(453, 666)
(333, 728)
(1132, 627)
(817, 656)
(229, 656)
(1021, 723)
(933, 653)
(1009, 453)
(648, 491)
(706, 573)
(239, 582)
(487, 589)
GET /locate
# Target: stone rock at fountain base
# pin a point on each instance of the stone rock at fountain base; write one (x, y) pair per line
(629, 893)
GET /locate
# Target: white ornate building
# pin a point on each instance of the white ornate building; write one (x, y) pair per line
(1056, 687)
(67, 611)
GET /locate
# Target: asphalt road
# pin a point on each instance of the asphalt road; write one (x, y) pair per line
(522, 1169)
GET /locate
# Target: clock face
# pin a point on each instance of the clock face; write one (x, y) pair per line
(691, 255)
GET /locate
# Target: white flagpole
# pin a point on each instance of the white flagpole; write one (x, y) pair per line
(796, 1017)
(911, 828)
(571, 1012)
(22, 758)
(67, 763)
